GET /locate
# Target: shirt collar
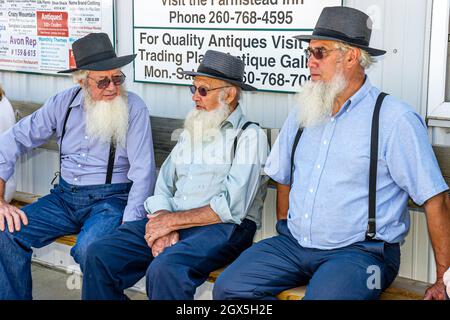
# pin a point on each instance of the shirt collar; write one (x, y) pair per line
(357, 97)
(234, 118)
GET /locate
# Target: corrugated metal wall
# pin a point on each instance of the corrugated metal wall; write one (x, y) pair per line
(401, 27)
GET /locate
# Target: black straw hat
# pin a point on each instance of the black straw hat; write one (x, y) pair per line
(344, 24)
(95, 52)
(222, 66)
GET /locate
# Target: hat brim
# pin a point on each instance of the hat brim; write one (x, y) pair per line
(372, 51)
(243, 86)
(105, 65)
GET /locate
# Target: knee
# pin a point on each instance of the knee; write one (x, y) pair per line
(225, 287)
(162, 267)
(91, 253)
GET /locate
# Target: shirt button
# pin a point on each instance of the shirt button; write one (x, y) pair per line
(79, 166)
(325, 142)
(86, 137)
(311, 190)
(190, 177)
(76, 179)
(184, 198)
(305, 239)
(318, 166)
(306, 216)
(83, 155)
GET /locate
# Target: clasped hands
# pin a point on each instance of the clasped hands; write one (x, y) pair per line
(160, 231)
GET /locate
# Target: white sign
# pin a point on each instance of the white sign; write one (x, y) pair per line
(37, 35)
(173, 35)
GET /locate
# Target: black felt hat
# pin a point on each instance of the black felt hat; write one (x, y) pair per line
(222, 66)
(344, 24)
(95, 52)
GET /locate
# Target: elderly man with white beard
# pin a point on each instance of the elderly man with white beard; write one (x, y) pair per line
(107, 167)
(207, 203)
(345, 163)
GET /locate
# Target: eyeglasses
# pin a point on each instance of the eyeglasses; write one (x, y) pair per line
(318, 53)
(203, 91)
(104, 83)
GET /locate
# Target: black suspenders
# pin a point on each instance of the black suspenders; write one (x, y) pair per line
(371, 225)
(245, 126)
(112, 148)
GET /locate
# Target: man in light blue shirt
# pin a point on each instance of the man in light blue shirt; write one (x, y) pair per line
(106, 163)
(207, 203)
(329, 241)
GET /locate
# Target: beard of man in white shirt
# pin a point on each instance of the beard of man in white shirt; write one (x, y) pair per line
(7, 120)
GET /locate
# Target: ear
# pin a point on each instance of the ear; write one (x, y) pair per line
(231, 95)
(352, 57)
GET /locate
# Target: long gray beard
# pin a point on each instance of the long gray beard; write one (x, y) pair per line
(203, 125)
(106, 120)
(316, 100)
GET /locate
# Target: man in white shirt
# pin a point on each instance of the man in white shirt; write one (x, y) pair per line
(7, 120)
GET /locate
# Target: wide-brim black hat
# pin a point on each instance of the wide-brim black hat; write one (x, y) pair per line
(222, 66)
(344, 24)
(95, 52)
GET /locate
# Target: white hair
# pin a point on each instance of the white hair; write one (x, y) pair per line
(80, 75)
(366, 60)
(106, 120)
(316, 100)
(202, 124)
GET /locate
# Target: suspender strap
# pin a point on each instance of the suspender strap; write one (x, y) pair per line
(294, 147)
(112, 155)
(63, 133)
(245, 126)
(371, 226)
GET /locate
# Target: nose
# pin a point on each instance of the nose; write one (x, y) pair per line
(111, 86)
(196, 96)
(312, 62)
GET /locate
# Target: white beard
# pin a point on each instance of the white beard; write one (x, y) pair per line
(106, 120)
(203, 125)
(316, 100)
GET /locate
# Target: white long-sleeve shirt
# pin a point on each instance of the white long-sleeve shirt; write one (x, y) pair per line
(7, 120)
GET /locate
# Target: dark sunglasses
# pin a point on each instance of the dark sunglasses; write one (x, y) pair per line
(203, 91)
(104, 83)
(318, 53)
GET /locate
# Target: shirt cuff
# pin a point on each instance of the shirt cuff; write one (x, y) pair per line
(220, 206)
(156, 203)
(5, 172)
(133, 213)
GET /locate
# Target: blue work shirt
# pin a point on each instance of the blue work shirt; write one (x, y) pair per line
(207, 174)
(84, 159)
(328, 202)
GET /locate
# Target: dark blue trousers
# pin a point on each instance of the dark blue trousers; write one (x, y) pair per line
(359, 271)
(90, 211)
(119, 260)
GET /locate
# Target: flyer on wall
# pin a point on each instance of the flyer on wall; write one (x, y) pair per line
(37, 35)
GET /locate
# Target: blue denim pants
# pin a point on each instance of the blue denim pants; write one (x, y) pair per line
(119, 260)
(358, 272)
(91, 211)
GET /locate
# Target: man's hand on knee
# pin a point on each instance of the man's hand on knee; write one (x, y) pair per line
(13, 216)
(162, 243)
(158, 225)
